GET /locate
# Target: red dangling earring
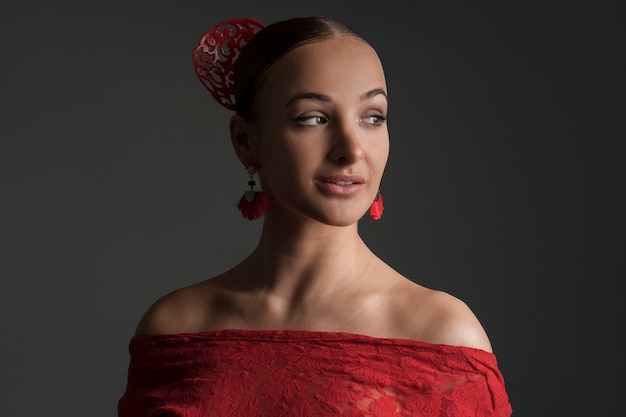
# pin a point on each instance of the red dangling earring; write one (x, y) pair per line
(252, 203)
(376, 209)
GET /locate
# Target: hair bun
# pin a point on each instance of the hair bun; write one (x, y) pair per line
(215, 56)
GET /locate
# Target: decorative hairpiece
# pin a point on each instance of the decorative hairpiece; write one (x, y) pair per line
(216, 54)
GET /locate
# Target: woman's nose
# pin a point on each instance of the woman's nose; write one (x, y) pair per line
(346, 147)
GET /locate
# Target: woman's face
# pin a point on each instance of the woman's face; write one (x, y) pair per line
(320, 135)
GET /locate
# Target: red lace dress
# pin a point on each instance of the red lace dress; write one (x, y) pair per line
(268, 373)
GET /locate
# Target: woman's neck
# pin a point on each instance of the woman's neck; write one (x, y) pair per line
(308, 261)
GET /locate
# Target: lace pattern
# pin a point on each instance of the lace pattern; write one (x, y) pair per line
(266, 373)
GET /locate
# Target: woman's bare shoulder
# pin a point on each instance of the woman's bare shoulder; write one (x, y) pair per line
(444, 319)
(179, 311)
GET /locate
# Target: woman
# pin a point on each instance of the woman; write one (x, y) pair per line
(311, 322)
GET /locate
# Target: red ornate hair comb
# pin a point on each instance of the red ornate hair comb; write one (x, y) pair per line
(215, 56)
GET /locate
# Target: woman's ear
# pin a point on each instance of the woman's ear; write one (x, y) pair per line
(241, 140)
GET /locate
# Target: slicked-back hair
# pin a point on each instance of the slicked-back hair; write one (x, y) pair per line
(271, 43)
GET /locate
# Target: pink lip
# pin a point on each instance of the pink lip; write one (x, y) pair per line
(341, 184)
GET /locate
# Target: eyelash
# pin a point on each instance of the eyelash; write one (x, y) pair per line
(303, 120)
(379, 120)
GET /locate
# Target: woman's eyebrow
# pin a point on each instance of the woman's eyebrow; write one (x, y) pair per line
(308, 96)
(373, 93)
(324, 98)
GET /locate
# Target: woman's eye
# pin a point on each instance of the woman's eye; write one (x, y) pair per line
(374, 119)
(311, 120)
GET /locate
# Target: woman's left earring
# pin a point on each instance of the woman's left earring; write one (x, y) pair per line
(376, 209)
(252, 203)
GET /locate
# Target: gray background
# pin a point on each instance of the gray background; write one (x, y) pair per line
(118, 183)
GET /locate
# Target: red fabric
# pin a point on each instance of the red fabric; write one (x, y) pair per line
(267, 373)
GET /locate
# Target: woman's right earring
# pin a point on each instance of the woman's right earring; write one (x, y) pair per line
(252, 203)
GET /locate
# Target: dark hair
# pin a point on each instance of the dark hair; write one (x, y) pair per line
(271, 43)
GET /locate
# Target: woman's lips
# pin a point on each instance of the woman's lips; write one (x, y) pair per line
(341, 184)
